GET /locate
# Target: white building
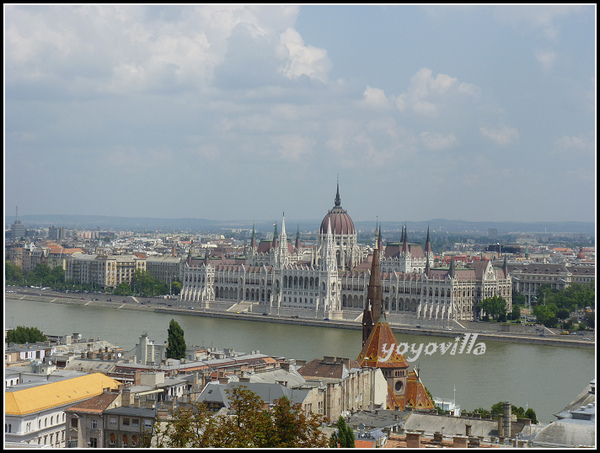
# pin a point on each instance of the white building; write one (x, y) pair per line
(330, 280)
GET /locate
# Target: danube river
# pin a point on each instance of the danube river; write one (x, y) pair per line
(545, 378)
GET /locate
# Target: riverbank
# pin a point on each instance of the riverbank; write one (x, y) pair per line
(131, 303)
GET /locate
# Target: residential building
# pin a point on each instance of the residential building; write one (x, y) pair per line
(34, 414)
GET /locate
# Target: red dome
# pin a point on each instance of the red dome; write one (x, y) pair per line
(341, 223)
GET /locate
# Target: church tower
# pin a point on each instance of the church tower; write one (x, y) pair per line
(373, 306)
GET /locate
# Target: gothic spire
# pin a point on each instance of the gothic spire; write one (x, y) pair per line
(253, 239)
(373, 308)
(338, 201)
(298, 243)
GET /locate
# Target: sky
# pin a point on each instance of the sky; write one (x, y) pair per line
(247, 112)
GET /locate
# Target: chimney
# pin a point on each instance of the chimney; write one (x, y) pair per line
(458, 442)
(507, 417)
(136, 401)
(126, 397)
(285, 366)
(413, 440)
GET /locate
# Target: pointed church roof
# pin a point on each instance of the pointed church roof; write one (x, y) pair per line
(416, 395)
(381, 338)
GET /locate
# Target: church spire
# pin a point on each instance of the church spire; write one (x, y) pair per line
(253, 239)
(274, 242)
(373, 308)
(298, 244)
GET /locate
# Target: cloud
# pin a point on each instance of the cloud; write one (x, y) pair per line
(540, 19)
(293, 147)
(429, 96)
(375, 97)
(300, 59)
(502, 135)
(568, 146)
(546, 58)
(437, 142)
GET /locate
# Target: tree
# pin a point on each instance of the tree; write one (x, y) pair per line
(545, 315)
(343, 437)
(25, 335)
(122, 289)
(494, 307)
(176, 347)
(249, 425)
(589, 320)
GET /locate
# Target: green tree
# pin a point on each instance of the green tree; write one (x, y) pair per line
(250, 425)
(545, 315)
(13, 274)
(176, 342)
(494, 306)
(589, 320)
(343, 437)
(530, 414)
(25, 335)
(122, 289)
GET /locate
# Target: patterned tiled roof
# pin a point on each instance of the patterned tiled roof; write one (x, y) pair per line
(372, 353)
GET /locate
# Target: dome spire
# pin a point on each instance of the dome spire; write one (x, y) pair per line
(338, 201)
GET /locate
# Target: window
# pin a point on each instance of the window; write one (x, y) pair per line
(147, 423)
(124, 440)
(133, 441)
(73, 422)
(112, 439)
(113, 420)
(125, 421)
(135, 422)
(93, 423)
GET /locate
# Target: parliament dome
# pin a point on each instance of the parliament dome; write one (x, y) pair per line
(341, 222)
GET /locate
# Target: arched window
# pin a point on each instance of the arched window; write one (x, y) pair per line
(112, 439)
(124, 440)
(134, 441)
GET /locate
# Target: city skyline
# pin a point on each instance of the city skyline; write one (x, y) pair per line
(477, 113)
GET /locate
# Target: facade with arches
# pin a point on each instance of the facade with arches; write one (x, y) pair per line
(330, 280)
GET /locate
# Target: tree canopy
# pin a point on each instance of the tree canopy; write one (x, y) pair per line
(249, 425)
(176, 342)
(494, 306)
(25, 335)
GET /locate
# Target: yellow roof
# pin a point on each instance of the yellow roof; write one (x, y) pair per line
(55, 394)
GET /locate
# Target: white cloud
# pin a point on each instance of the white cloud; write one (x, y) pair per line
(537, 18)
(568, 146)
(293, 147)
(546, 58)
(502, 135)
(375, 97)
(430, 96)
(437, 142)
(300, 59)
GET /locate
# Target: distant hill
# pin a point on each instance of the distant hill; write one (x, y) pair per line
(82, 222)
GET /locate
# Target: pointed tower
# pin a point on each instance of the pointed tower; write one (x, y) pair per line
(428, 251)
(373, 307)
(275, 239)
(283, 252)
(451, 272)
(253, 239)
(297, 243)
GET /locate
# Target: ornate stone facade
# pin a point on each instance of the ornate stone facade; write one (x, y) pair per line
(330, 280)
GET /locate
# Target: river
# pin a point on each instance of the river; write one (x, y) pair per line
(545, 378)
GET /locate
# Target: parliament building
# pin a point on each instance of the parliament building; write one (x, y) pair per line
(281, 277)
